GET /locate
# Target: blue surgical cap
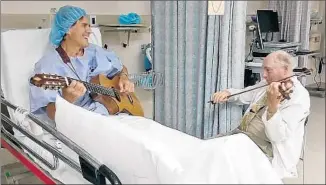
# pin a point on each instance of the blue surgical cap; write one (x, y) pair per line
(64, 19)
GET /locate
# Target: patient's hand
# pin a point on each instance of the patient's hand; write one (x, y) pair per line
(221, 96)
(126, 85)
(74, 91)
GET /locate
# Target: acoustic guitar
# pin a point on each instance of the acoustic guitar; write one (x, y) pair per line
(102, 90)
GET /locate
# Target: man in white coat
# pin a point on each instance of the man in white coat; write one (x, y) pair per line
(274, 123)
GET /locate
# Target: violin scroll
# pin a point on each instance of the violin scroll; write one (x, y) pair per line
(287, 84)
(303, 71)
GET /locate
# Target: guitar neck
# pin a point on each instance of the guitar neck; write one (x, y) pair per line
(95, 88)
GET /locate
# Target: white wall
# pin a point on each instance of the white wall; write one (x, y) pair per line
(322, 12)
(253, 6)
(92, 7)
(29, 15)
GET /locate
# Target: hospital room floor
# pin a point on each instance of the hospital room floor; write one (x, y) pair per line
(314, 158)
(313, 165)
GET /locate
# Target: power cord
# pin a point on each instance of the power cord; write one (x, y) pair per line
(252, 29)
(316, 73)
(249, 54)
(319, 68)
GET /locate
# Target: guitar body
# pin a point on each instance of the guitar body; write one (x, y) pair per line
(127, 103)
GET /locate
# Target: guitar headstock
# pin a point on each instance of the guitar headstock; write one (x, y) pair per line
(48, 81)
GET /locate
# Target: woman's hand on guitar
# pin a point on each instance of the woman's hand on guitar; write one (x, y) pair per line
(126, 85)
(74, 91)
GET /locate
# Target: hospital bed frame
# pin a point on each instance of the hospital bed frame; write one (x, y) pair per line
(90, 168)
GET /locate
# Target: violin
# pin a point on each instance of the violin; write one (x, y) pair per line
(302, 72)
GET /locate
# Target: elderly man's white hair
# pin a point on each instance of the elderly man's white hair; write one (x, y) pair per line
(283, 58)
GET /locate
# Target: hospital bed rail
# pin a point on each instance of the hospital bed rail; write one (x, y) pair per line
(90, 168)
(21, 156)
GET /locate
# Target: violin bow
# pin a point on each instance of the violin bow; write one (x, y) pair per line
(304, 72)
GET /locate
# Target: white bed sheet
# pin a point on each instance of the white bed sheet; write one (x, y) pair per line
(143, 151)
(20, 50)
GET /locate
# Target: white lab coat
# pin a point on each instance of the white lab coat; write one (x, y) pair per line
(286, 128)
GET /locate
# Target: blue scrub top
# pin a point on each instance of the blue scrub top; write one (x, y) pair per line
(95, 61)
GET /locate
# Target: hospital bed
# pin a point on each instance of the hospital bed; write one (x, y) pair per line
(38, 150)
(120, 149)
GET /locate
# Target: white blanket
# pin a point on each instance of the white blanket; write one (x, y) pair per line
(140, 150)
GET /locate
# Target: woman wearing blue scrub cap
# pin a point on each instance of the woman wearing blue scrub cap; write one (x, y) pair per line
(64, 23)
(70, 32)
